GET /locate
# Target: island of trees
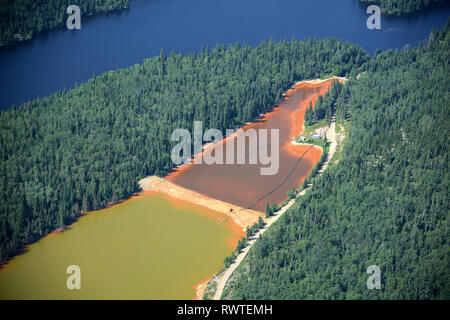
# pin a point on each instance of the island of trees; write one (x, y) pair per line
(21, 19)
(399, 7)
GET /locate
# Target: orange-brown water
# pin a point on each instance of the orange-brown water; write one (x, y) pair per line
(242, 184)
(148, 247)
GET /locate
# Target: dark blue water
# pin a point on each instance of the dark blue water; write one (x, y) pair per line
(59, 58)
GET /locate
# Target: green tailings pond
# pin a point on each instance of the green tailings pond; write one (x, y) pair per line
(148, 247)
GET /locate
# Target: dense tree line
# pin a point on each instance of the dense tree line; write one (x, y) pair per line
(21, 19)
(243, 242)
(403, 6)
(385, 203)
(84, 148)
(325, 106)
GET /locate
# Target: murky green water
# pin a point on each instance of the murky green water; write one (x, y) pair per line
(149, 247)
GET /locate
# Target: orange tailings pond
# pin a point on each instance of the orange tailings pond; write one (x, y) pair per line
(243, 185)
(159, 245)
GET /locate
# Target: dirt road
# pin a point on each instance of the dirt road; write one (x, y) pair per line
(224, 277)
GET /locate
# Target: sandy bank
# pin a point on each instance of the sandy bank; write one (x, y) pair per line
(241, 216)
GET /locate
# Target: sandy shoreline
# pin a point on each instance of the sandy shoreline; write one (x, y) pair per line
(241, 216)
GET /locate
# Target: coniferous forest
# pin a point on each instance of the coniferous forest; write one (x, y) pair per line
(20, 19)
(84, 148)
(385, 203)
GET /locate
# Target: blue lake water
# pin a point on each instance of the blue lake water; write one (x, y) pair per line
(58, 59)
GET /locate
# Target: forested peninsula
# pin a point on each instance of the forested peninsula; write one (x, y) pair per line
(399, 7)
(84, 148)
(386, 202)
(21, 19)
